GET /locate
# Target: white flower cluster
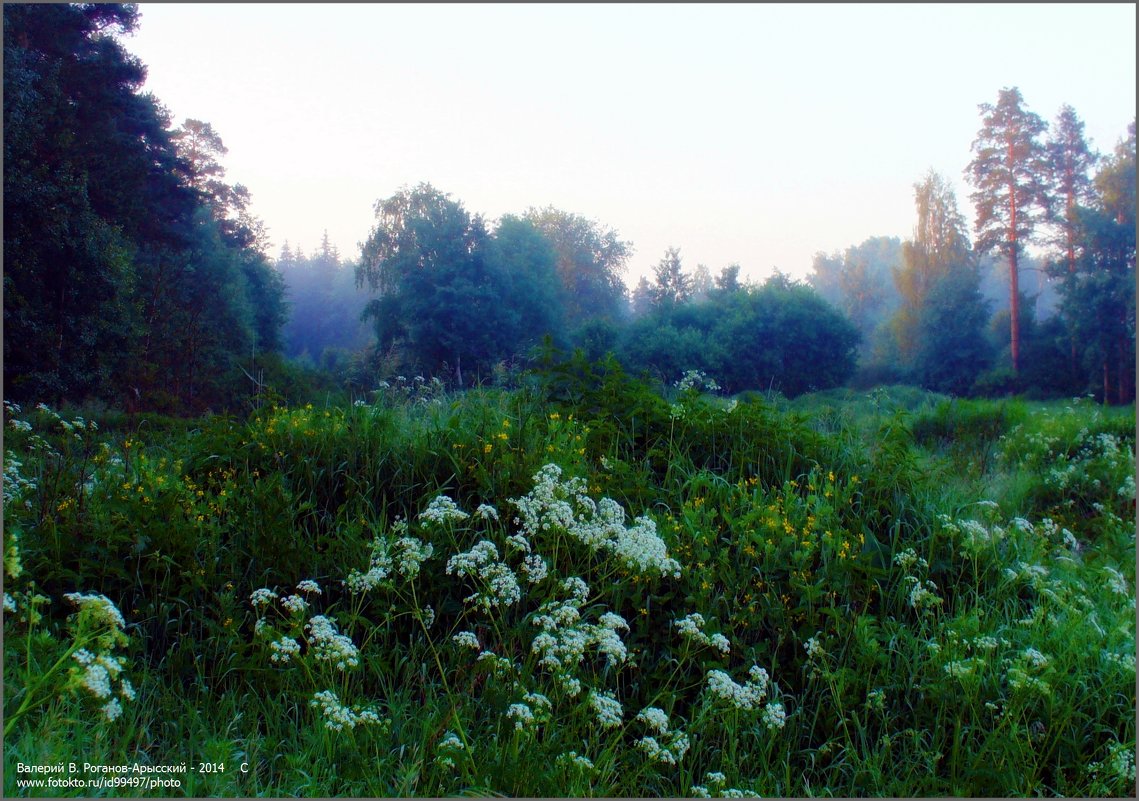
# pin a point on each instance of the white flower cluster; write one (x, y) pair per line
(814, 648)
(691, 627)
(308, 585)
(663, 745)
(696, 379)
(1116, 582)
(284, 649)
(960, 669)
(262, 597)
(442, 510)
(748, 696)
(522, 715)
(607, 707)
(96, 673)
(499, 582)
(486, 512)
(328, 645)
(534, 568)
(718, 781)
(295, 604)
(555, 506)
(576, 760)
(9, 604)
(562, 644)
(337, 716)
(408, 554)
(16, 487)
(467, 639)
(98, 608)
(908, 558)
(923, 596)
(448, 748)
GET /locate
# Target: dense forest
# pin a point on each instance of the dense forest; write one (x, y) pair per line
(136, 277)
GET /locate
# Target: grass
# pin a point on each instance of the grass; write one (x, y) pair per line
(918, 596)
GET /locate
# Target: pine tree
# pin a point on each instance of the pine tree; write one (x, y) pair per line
(1009, 173)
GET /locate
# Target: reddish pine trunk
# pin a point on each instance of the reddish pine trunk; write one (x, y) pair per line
(1014, 289)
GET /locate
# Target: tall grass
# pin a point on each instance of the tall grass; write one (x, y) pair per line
(582, 587)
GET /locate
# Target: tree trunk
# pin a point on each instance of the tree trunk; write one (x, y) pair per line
(1014, 289)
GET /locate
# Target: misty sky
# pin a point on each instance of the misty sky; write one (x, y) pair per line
(757, 134)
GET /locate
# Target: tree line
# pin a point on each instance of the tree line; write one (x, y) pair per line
(135, 274)
(925, 306)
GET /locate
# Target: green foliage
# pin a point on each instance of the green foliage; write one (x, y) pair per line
(783, 603)
(779, 336)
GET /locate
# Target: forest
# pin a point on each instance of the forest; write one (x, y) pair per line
(137, 277)
(465, 514)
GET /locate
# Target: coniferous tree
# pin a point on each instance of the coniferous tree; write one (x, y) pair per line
(1009, 173)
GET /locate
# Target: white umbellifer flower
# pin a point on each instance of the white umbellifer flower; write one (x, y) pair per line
(655, 718)
(126, 690)
(101, 608)
(284, 649)
(262, 597)
(1036, 658)
(691, 626)
(814, 648)
(774, 717)
(720, 643)
(97, 681)
(742, 696)
(985, 643)
(451, 742)
(576, 587)
(534, 568)
(308, 585)
(9, 604)
(295, 604)
(522, 714)
(607, 707)
(330, 646)
(574, 759)
(555, 505)
(467, 639)
(337, 716)
(441, 510)
(486, 512)
(518, 542)
(112, 710)
(408, 554)
(715, 778)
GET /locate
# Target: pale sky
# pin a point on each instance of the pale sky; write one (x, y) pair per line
(757, 134)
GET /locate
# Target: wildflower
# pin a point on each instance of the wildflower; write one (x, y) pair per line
(330, 646)
(441, 510)
(814, 648)
(262, 597)
(522, 714)
(284, 649)
(534, 568)
(9, 604)
(337, 716)
(408, 554)
(112, 710)
(607, 707)
(467, 639)
(308, 585)
(655, 718)
(99, 607)
(742, 696)
(774, 717)
(576, 760)
(295, 604)
(668, 754)
(486, 512)
(1035, 658)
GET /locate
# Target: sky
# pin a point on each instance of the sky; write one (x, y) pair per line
(739, 133)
